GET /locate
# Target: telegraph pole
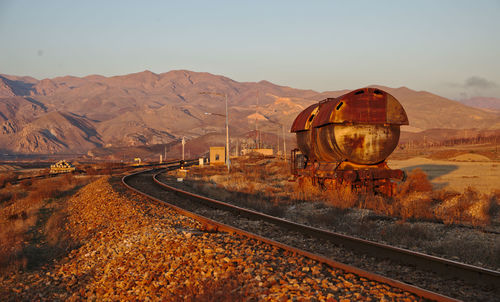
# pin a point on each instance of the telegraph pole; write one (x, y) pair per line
(284, 141)
(228, 161)
(227, 137)
(183, 143)
(257, 138)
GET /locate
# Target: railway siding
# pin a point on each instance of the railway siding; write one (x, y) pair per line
(132, 249)
(407, 273)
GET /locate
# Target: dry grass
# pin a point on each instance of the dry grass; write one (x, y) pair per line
(469, 207)
(261, 183)
(406, 219)
(6, 178)
(416, 181)
(32, 219)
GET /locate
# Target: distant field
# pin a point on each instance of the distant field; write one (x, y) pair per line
(456, 173)
(4, 168)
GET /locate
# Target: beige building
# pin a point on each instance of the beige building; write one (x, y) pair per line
(217, 155)
(266, 152)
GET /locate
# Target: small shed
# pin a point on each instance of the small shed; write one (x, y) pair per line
(217, 155)
(265, 152)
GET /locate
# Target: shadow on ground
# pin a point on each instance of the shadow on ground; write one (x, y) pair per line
(433, 171)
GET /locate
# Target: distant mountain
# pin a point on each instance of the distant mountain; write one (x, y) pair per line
(427, 111)
(16, 112)
(12, 85)
(77, 114)
(54, 132)
(482, 102)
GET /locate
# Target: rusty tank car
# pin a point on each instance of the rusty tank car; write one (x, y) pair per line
(345, 141)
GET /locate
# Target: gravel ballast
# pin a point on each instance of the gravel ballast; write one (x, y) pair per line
(129, 248)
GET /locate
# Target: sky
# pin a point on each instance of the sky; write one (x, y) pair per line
(451, 48)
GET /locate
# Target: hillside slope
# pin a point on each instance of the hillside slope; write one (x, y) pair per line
(146, 108)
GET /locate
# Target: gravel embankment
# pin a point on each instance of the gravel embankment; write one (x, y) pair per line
(453, 287)
(132, 249)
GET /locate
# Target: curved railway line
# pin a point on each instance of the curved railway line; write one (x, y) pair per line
(118, 169)
(418, 273)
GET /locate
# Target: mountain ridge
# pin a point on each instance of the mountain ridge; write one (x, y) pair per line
(146, 108)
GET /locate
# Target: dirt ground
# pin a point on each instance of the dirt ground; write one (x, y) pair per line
(456, 173)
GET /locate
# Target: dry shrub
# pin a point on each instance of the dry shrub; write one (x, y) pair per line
(443, 194)
(13, 234)
(234, 182)
(54, 229)
(471, 207)
(5, 196)
(416, 205)
(6, 178)
(494, 203)
(277, 168)
(51, 187)
(378, 204)
(26, 184)
(44, 189)
(11, 239)
(412, 206)
(261, 184)
(342, 197)
(416, 181)
(304, 189)
(22, 214)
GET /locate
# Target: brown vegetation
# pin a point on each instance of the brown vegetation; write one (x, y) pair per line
(31, 220)
(132, 249)
(417, 217)
(263, 184)
(7, 178)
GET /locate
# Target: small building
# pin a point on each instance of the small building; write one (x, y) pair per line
(61, 166)
(263, 151)
(217, 155)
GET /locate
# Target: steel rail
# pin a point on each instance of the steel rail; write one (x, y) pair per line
(217, 226)
(439, 265)
(80, 172)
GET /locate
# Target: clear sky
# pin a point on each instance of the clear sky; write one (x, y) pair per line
(451, 48)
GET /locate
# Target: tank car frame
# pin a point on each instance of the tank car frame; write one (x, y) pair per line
(345, 141)
(360, 178)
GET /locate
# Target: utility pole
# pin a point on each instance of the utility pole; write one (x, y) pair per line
(227, 137)
(228, 160)
(257, 137)
(278, 145)
(183, 143)
(278, 133)
(284, 141)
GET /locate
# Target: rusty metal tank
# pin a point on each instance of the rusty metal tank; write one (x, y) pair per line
(361, 127)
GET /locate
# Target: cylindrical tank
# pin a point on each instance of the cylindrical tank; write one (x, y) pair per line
(361, 127)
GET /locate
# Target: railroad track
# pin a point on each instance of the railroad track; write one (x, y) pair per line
(120, 169)
(415, 270)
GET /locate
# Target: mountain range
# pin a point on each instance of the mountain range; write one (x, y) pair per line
(483, 102)
(77, 114)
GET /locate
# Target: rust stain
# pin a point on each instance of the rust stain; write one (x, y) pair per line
(302, 121)
(354, 142)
